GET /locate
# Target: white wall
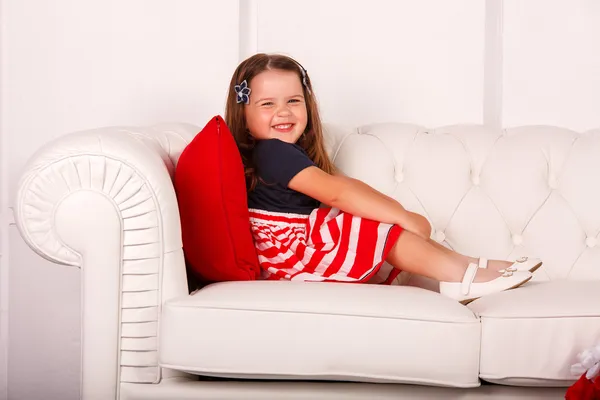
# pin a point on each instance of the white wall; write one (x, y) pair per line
(76, 64)
(552, 63)
(380, 60)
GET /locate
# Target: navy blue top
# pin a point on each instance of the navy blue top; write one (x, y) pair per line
(277, 162)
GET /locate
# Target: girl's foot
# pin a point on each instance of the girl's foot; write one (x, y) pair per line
(521, 264)
(481, 275)
(485, 275)
(494, 265)
(478, 282)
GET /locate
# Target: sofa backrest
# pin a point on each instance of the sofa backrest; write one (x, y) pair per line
(526, 191)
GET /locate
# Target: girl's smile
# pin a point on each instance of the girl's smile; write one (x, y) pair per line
(284, 128)
(277, 108)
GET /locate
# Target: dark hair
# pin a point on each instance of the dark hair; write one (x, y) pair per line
(312, 140)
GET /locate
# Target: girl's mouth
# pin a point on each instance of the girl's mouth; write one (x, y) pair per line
(284, 128)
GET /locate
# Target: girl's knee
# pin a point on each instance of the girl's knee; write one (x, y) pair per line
(424, 227)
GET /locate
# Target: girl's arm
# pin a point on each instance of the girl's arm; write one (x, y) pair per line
(355, 197)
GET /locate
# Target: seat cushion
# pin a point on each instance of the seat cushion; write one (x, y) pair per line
(328, 331)
(215, 221)
(531, 336)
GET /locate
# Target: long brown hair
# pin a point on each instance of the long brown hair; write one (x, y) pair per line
(312, 140)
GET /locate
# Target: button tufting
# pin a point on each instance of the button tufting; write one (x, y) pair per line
(553, 182)
(440, 236)
(591, 241)
(517, 240)
(399, 176)
(475, 180)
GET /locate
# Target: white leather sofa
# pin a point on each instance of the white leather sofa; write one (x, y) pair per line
(103, 201)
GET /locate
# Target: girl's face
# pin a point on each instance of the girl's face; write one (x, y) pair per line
(277, 109)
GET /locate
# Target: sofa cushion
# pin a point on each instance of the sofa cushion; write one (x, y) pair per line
(211, 194)
(531, 336)
(321, 331)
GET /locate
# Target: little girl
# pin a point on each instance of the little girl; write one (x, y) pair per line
(311, 223)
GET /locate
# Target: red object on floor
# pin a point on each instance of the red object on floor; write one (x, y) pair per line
(584, 389)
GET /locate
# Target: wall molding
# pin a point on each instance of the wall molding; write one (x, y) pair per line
(248, 28)
(493, 64)
(6, 216)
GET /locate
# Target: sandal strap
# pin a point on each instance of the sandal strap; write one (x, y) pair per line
(483, 262)
(468, 279)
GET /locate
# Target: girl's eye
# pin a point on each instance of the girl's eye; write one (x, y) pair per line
(295, 101)
(268, 103)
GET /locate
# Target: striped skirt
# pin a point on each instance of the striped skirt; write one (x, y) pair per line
(328, 245)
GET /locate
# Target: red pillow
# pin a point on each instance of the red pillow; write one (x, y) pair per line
(215, 222)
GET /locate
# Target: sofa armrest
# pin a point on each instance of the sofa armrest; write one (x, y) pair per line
(103, 201)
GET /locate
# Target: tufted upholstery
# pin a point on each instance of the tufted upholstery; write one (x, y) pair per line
(522, 191)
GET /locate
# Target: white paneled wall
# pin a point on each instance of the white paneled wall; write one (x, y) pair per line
(68, 65)
(380, 60)
(552, 63)
(82, 64)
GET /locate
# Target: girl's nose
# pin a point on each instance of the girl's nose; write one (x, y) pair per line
(283, 110)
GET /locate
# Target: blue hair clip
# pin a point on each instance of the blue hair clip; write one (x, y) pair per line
(243, 92)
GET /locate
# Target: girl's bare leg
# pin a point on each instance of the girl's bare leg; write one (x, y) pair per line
(424, 227)
(416, 255)
(495, 265)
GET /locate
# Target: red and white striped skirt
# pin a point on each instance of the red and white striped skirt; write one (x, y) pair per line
(328, 245)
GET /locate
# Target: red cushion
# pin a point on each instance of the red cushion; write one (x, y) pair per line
(215, 222)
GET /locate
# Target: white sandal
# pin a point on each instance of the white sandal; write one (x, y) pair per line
(521, 264)
(467, 290)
